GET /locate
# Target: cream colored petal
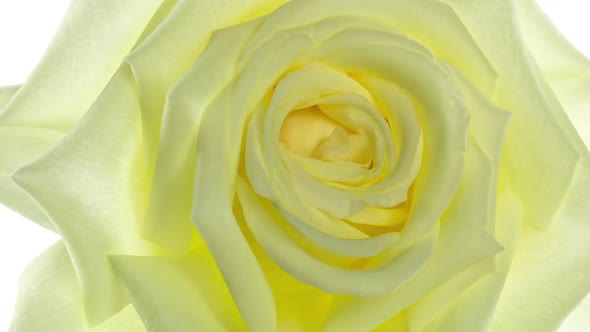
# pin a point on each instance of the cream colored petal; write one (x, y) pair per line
(178, 294)
(549, 275)
(566, 69)
(175, 45)
(18, 147)
(260, 216)
(542, 149)
(6, 94)
(443, 119)
(556, 56)
(473, 309)
(431, 307)
(50, 298)
(547, 164)
(573, 95)
(334, 172)
(91, 187)
(464, 240)
(90, 45)
(477, 199)
(579, 319)
(378, 216)
(300, 307)
(364, 247)
(449, 40)
(212, 214)
(167, 219)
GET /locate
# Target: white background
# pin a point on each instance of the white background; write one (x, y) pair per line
(26, 28)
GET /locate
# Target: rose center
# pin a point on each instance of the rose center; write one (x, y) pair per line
(310, 133)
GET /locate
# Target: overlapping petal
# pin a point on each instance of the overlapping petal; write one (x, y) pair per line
(91, 186)
(50, 297)
(32, 142)
(87, 51)
(178, 294)
(566, 69)
(540, 132)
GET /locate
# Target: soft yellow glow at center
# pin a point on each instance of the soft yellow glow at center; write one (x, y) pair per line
(311, 133)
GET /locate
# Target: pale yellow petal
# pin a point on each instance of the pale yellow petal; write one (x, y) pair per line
(18, 147)
(260, 216)
(6, 94)
(90, 186)
(542, 149)
(89, 46)
(50, 298)
(565, 68)
(549, 274)
(171, 294)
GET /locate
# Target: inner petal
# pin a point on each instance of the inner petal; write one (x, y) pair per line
(336, 147)
(342, 146)
(303, 130)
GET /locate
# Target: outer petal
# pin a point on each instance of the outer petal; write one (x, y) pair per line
(565, 68)
(549, 274)
(92, 41)
(50, 299)
(540, 132)
(90, 45)
(6, 93)
(186, 294)
(19, 146)
(473, 309)
(92, 188)
(477, 201)
(579, 319)
(176, 44)
(159, 63)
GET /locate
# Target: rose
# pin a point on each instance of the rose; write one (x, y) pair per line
(389, 165)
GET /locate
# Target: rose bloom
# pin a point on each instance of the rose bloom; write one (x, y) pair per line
(305, 165)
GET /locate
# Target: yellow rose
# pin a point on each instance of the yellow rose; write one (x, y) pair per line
(302, 165)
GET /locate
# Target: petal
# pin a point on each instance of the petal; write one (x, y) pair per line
(463, 241)
(20, 146)
(177, 42)
(50, 297)
(542, 147)
(443, 118)
(212, 214)
(167, 220)
(364, 247)
(300, 307)
(477, 199)
(565, 68)
(186, 294)
(261, 217)
(90, 45)
(579, 319)
(557, 58)
(414, 18)
(180, 40)
(549, 275)
(474, 308)
(573, 95)
(91, 186)
(6, 94)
